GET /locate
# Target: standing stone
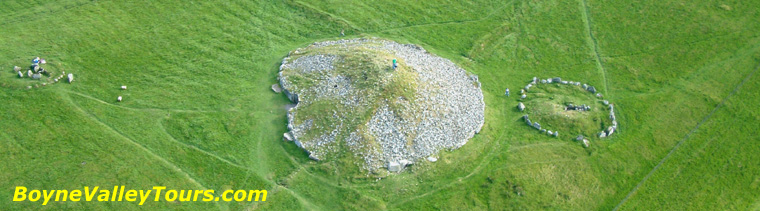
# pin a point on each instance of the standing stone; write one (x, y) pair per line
(36, 76)
(556, 79)
(606, 102)
(525, 117)
(549, 132)
(585, 143)
(287, 136)
(602, 134)
(527, 121)
(591, 89)
(564, 82)
(71, 77)
(556, 133)
(16, 68)
(123, 87)
(118, 99)
(543, 81)
(520, 106)
(577, 83)
(535, 80)
(20, 75)
(537, 126)
(543, 130)
(522, 91)
(579, 138)
(523, 96)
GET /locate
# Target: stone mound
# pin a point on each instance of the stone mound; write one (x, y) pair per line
(353, 102)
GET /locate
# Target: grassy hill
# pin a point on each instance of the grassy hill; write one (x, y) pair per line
(199, 113)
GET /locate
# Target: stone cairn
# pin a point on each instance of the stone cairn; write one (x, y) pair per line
(603, 134)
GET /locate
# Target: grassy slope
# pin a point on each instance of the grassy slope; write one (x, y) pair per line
(199, 112)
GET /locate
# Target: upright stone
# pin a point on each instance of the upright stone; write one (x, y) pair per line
(520, 106)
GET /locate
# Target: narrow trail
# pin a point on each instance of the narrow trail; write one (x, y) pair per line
(143, 109)
(592, 42)
(163, 129)
(166, 163)
(656, 167)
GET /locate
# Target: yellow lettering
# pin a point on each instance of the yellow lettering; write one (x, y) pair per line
(88, 195)
(171, 198)
(144, 196)
(34, 192)
(208, 195)
(240, 193)
(131, 194)
(224, 195)
(46, 196)
(263, 194)
(158, 191)
(19, 194)
(58, 195)
(75, 195)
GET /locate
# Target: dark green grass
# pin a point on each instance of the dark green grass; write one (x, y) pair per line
(199, 111)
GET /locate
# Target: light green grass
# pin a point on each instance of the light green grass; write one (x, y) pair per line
(199, 112)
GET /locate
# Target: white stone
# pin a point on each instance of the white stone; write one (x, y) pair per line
(432, 159)
(71, 77)
(118, 99)
(585, 143)
(520, 106)
(123, 87)
(394, 166)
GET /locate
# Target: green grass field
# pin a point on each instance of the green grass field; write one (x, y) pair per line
(199, 112)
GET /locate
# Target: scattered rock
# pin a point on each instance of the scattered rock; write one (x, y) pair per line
(432, 159)
(36, 76)
(579, 138)
(276, 88)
